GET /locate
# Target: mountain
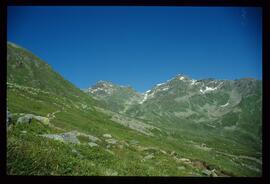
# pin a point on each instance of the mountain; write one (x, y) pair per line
(227, 107)
(24, 68)
(184, 127)
(115, 97)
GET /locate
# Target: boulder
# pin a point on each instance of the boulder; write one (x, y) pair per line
(26, 119)
(185, 160)
(92, 144)
(93, 138)
(107, 135)
(54, 136)
(111, 141)
(70, 137)
(164, 152)
(214, 174)
(43, 120)
(206, 172)
(211, 173)
(148, 157)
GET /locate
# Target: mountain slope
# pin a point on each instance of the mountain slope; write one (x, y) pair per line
(114, 97)
(206, 107)
(71, 133)
(24, 68)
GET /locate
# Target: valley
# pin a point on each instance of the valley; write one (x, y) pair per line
(182, 127)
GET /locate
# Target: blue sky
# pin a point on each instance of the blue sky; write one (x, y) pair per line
(141, 46)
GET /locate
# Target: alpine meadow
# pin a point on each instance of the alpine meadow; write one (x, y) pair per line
(182, 126)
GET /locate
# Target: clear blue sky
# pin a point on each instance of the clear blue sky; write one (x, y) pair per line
(141, 46)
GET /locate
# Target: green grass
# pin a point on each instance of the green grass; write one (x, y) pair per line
(30, 154)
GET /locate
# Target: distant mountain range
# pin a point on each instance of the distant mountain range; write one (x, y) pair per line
(223, 105)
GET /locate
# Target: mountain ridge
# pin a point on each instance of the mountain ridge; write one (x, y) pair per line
(205, 102)
(175, 77)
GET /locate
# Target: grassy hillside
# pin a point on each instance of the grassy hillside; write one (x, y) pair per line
(96, 141)
(26, 69)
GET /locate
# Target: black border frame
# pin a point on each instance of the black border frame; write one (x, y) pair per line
(108, 179)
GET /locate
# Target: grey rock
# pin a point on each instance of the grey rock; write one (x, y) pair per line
(214, 174)
(148, 157)
(111, 141)
(185, 160)
(43, 120)
(107, 135)
(162, 151)
(70, 137)
(207, 172)
(92, 144)
(54, 136)
(91, 137)
(26, 119)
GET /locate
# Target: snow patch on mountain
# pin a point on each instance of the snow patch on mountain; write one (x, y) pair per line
(225, 105)
(107, 91)
(160, 84)
(145, 97)
(193, 82)
(181, 78)
(95, 90)
(208, 89)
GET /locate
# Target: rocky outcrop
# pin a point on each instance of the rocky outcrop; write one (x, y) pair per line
(70, 137)
(27, 118)
(90, 137)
